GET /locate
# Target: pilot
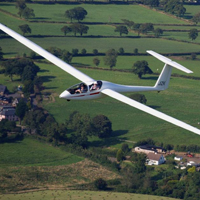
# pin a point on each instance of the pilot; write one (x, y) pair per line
(95, 86)
(81, 89)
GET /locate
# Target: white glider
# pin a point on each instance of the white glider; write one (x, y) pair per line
(93, 89)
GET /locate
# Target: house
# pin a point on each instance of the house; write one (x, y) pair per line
(2, 90)
(155, 159)
(149, 149)
(4, 100)
(8, 113)
(17, 100)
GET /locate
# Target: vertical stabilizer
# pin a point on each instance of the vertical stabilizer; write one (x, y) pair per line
(164, 78)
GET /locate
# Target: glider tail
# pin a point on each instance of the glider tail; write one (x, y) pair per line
(164, 78)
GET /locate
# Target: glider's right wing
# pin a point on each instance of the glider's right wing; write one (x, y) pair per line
(149, 110)
(53, 59)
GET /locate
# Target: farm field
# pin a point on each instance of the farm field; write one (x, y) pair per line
(108, 13)
(30, 152)
(103, 44)
(79, 195)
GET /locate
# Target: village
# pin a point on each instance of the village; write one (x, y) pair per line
(8, 103)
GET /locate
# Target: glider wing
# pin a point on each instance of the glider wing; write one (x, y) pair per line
(53, 59)
(149, 110)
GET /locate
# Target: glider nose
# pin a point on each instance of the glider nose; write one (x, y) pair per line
(64, 94)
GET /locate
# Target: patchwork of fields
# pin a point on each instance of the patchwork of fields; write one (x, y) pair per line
(181, 100)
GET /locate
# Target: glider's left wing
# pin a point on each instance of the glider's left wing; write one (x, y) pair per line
(53, 59)
(149, 110)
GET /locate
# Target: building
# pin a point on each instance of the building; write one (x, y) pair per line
(155, 159)
(149, 149)
(8, 113)
(178, 158)
(3, 90)
(17, 100)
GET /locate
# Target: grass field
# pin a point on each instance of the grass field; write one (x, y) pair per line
(30, 152)
(180, 101)
(109, 13)
(79, 195)
(12, 47)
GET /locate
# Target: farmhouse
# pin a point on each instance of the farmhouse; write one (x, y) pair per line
(149, 149)
(155, 159)
(8, 113)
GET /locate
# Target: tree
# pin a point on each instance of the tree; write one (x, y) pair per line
(121, 50)
(151, 3)
(139, 160)
(136, 27)
(74, 52)
(139, 97)
(121, 30)
(21, 5)
(27, 13)
(144, 28)
(1, 54)
(25, 29)
(125, 148)
(100, 184)
(67, 56)
(96, 61)
(70, 14)
(196, 18)
(174, 7)
(79, 28)
(120, 155)
(77, 13)
(21, 109)
(83, 51)
(128, 23)
(102, 126)
(158, 32)
(141, 68)
(80, 13)
(95, 51)
(66, 29)
(111, 58)
(193, 33)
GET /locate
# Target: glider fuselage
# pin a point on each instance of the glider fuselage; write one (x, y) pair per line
(92, 90)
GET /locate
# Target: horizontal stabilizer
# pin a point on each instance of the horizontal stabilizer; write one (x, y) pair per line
(169, 62)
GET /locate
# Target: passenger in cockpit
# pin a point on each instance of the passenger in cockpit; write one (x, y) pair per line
(95, 86)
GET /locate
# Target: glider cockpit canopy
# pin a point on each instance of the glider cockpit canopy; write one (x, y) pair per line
(84, 88)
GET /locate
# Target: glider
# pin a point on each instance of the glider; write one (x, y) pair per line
(93, 89)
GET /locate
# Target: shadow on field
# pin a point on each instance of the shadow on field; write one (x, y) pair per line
(150, 78)
(154, 107)
(112, 140)
(188, 16)
(10, 53)
(47, 78)
(107, 142)
(44, 70)
(41, 18)
(3, 4)
(80, 64)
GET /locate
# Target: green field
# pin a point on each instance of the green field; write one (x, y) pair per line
(109, 13)
(79, 195)
(30, 152)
